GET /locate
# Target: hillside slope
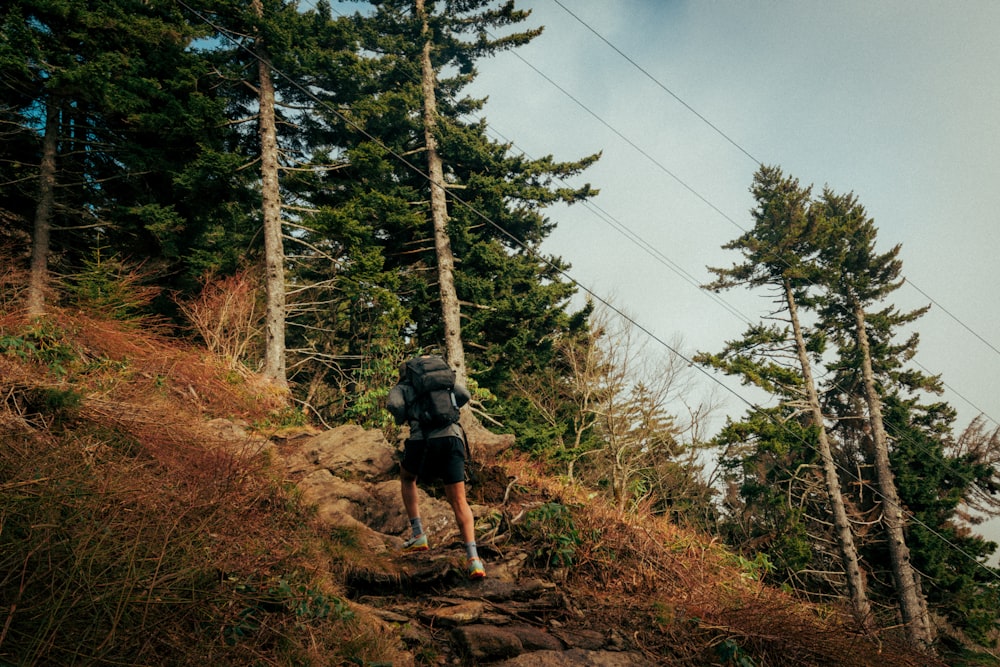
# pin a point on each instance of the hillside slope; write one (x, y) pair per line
(155, 510)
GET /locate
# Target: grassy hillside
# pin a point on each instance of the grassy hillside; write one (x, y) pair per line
(136, 529)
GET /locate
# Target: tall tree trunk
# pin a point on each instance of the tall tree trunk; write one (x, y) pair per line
(39, 280)
(845, 538)
(450, 309)
(274, 254)
(912, 604)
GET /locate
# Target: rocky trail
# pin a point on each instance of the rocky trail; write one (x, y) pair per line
(506, 618)
(517, 615)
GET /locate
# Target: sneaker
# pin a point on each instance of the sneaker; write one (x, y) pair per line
(476, 569)
(418, 543)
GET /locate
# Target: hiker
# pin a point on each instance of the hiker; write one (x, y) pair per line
(435, 449)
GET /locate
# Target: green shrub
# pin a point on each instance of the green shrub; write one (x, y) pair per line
(551, 528)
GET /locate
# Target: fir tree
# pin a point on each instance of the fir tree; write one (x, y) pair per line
(779, 254)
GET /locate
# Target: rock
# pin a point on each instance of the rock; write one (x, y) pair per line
(453, 615)
(341, 503)
(510, 568)
(436, 515)
(585, 639)
(336, 498)
(496, 590)
(483, 443)
(412, 575)
(484, 643)
(535, 639)
(352, 452)
(577, 658)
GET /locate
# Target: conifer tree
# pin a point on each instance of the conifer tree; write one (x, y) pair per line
(274, 252)
(512, 298)
(937, 478)
(278, 70)
(779, 254)
(108, 95)
(858, 278)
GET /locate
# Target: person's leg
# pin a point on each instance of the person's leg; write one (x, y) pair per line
(463, 513)
(466, 526)
(408, 490)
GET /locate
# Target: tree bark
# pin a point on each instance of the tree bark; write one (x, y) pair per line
(845, 538)
(450, 309)
(912, 605)
(39, 279)
(274, 254)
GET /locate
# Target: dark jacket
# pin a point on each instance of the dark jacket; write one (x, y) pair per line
(398, 404)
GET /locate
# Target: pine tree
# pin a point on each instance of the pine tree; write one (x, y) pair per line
(856, 278)
(512, 298)
(110, 95)
(274, 252)
(779, 254)
(935, 478)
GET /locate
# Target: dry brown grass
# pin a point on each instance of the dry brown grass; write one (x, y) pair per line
(689, 601)
(132, 532)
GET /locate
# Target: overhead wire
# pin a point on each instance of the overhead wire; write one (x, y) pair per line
(658, 83)
(615, 309)
(655, 253)
(458, 200)
(743, 150)
(614, 222)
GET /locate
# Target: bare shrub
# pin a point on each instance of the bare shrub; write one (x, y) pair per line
(227, 315)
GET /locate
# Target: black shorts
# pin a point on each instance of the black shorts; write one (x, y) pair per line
(444, 459)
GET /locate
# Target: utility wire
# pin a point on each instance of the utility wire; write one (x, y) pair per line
(739, 147)
(635, 238)
(638, 240)
(649, 249)
(658, 83)
(631, 143)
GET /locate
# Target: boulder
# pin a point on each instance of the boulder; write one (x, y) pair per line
(435, 515)
(343, 504)
(484, 444)
(535, 639)
(451, 615)
(485, 643)
(350, 452)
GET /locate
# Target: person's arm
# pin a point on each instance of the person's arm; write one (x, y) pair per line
(462, 395)
(396, 404)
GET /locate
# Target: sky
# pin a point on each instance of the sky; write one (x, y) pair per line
(897, 102)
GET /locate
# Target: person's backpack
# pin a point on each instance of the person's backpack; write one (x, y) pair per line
(433, 382)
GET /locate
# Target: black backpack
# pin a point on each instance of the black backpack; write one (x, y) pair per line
(433, 382)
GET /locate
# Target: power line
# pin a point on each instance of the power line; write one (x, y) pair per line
(638, 240)
(954, 317)
(736, 144)
(660, 84)
(631, 143)
(749, 155)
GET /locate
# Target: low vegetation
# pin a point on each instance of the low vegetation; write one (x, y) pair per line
(134, 531)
